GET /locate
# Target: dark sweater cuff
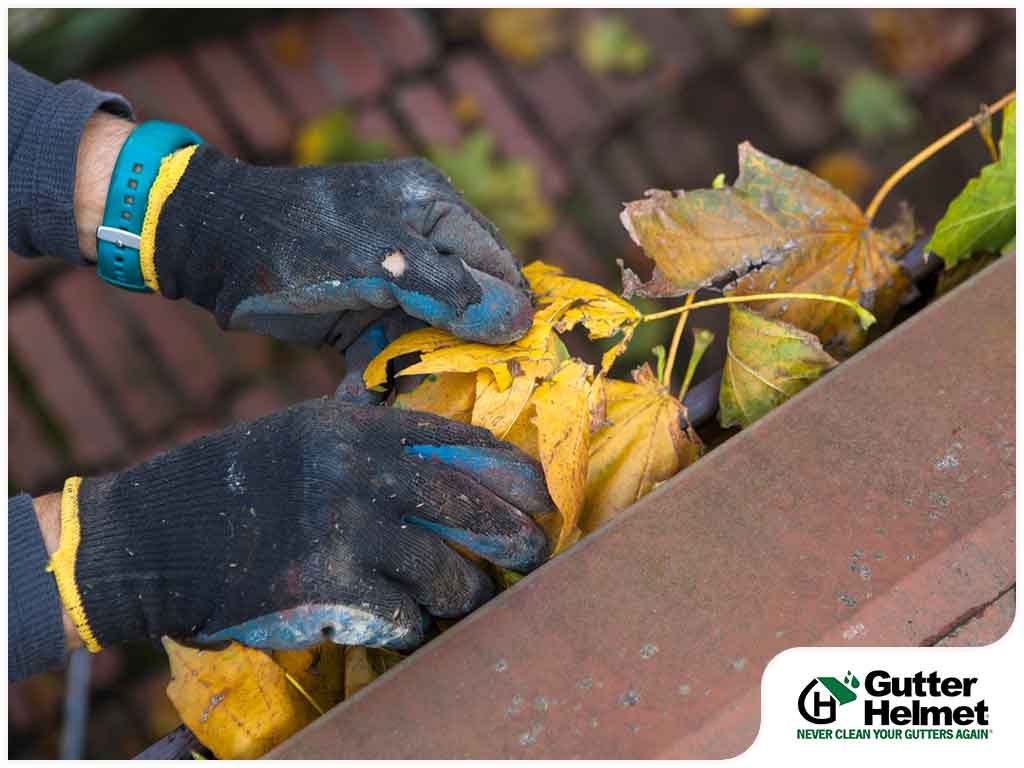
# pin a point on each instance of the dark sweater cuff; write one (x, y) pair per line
(41, 184)
(35, 641)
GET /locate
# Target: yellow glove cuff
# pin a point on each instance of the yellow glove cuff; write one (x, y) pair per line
(172, 168)
(62, 564)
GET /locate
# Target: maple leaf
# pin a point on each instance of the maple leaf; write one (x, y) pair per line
(767, 362)
(237, 701)
(642, 444)
(564, 303)
(779, 228)
(318, 671)
(983, 217)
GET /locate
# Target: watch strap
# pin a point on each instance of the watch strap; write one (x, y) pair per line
(137, 167)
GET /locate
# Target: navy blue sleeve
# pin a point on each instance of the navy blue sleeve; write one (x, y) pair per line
(35, 631)
(44, 126)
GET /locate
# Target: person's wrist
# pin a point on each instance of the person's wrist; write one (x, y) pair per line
(48, 514)
(101, 142)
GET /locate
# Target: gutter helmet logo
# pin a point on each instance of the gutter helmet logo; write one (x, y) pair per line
(823, 702)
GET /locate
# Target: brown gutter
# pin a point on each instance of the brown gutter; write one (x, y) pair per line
(876, 508)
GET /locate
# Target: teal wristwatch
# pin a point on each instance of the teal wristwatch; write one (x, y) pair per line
(134, 173)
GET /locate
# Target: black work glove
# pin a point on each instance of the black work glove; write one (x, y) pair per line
(314, 254)
(323, 521)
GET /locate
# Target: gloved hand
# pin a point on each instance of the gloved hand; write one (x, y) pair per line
(325, 520)
(296, 253)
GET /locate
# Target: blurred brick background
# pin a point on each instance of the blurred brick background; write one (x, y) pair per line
(101, 378)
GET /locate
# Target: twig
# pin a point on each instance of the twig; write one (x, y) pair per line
(927, 152)
(676, 337)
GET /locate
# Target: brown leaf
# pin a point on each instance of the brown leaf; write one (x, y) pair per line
(779, 228)
(642, 445)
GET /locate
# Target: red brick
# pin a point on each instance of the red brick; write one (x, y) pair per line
(554, 88)
(469, 75)
(426, 110)
(677, 41)
(104, 330)
(22, 271)
(352, 68)
(158, 87)
(623, 160)
(402, 37)
(309, 96)
(260, 400)
(259, 117)
(68, 394)
(32, 461)
(801, 117)
(376, 125)
(566, 248)
(175, 331)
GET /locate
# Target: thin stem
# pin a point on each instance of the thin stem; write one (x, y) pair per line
(300, 689)
(866, 318)
(674, 347)
(927, 152)
(702, 339)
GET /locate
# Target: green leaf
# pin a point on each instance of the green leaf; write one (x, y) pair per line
(610, 44)
(333, 139)
(767, 362)
(875, 107)
(507, 192)
(983, 217)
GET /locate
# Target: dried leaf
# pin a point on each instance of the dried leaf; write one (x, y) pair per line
(237, 701)
(983, 217)
(564, 303)
(451, 395)
(320, 671)
(364, 665)
(779, 228)
(562, 405)
(767, 362)
(642, 445)
(524, 35)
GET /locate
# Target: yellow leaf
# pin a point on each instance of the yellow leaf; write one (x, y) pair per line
(767, 362)
(562, 407)
(237, 701)
(451, 395)
(364, 665)
(319, 670)
(498, 410)
(781, 229)
(600, 311)
(642, 445)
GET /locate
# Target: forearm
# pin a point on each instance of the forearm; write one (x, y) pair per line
(36, 637)
(48, 514)
(102, 139)
(46, 125)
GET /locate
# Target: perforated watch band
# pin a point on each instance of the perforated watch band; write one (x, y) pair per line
(134, 173)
